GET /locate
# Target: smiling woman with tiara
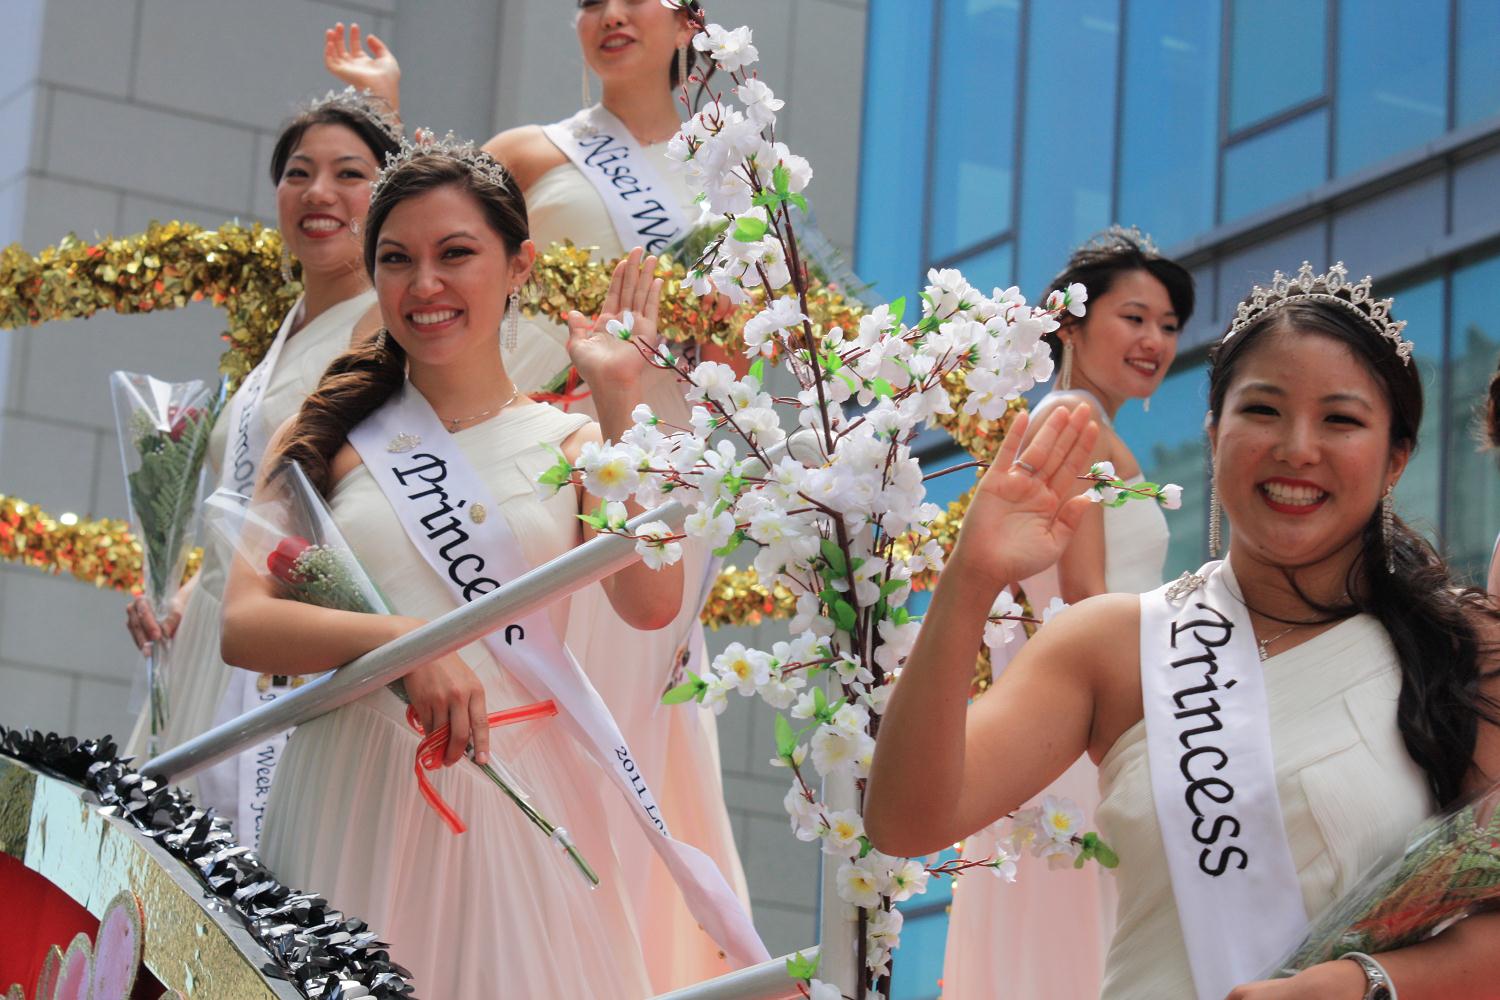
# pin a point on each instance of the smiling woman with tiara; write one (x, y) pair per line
(1271, 725)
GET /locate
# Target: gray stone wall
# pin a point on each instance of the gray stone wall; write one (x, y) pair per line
(117, 112)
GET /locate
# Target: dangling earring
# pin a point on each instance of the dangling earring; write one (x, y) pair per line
(1215, 517)
(512, 322)
(588, 96)
(1065, 378)
(1146, 405)
(286, 266)
(1388, 529)
(682, 66)
(380, 336)
(354, 227)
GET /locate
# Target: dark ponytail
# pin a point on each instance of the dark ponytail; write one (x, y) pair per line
(356, 384)
(1433, 624)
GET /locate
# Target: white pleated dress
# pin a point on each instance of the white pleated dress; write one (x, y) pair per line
(676, 746)
(499, 910)
(204, 691)
(1044, 936)
(1350, 795)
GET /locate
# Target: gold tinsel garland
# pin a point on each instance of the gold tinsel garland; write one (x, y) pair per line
(102, 552)
(238, 269)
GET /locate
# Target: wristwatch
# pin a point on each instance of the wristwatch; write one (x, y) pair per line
(1377, 982)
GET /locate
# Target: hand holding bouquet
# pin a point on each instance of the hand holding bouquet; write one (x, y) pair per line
(164, 429)
(294, 537)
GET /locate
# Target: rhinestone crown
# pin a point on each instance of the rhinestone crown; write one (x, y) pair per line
(1333, 287)
(479, 163)
(365, 103)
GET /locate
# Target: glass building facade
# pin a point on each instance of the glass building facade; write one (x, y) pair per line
(1245, 136)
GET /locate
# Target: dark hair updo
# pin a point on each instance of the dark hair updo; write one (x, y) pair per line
(360, 381)
(380, 142)
(1432, 623)
(1115, 252)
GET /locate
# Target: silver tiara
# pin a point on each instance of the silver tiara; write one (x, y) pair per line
(365, 103)
(1117, 233)
(479, 163)
(1333, 288)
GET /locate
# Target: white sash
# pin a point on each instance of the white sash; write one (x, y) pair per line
(643, 209)
(451, 518)
(249, 436)
(1213, 779)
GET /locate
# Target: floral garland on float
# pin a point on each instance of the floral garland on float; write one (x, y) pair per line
(837, 511)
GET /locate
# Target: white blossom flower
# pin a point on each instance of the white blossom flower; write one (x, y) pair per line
(1003, 864)
(622, 327)
(610, 472)
(655, 545)
(908, 879)
(819, 990)
(799, 755)
(732, 50)
(1054, 607)
(712, 529)
(842, 832)
(771, 322)
(1170, 496)
(749, 667)
(835, 751)
(760, 103)
(716, 696)
(711, 381)
(806, 816)
(858, 884)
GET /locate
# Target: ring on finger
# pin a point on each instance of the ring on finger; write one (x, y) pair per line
(1024, 466)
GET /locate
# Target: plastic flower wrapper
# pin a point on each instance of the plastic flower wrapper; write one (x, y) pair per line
(1449, 869)
(292, 538)
(164, 429)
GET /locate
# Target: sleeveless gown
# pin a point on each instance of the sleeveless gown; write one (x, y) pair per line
(1044, 936)
(678, 746)
(1332, 707)
(498, 910)
(203, 690)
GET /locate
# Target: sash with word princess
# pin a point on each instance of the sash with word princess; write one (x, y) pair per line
(436, 495)
(1213, 781)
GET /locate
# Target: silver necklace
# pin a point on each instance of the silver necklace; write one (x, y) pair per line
(453, 423)
(1265, 653)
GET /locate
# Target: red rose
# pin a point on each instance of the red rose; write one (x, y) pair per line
(180, 423)
(282, 562)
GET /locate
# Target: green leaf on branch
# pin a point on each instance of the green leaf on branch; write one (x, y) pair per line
(830, 360)
(599, 521)
(559, 475)
(689, 690)
(882, 388)
(890, 587)
(758, 370)
(843, 615)
(727, 549)
(1106, 855)
(900, 616)
(800, 966)
(835, 557)
(748, 229)
(799, 201)
(820, 701)
(781, 179)
(898, 309)
(786, 738)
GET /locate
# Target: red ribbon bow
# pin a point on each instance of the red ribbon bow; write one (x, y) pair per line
(430, 752)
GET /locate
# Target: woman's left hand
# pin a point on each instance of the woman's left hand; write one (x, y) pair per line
(1337, 980)
(607, 348)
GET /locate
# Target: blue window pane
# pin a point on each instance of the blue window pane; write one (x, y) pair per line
(974, 157)
(1478, 70)
(898, 65)
(1170, 445)
(942, 491)
(1275, 165)
(1169, 139)
(989, 269)
(1277, 57)
(917, 968)
(1473, 481)
(1393, 79)
(1417, 495)
(1068, 158)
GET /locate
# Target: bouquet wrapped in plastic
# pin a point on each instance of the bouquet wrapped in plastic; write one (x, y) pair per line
(164, 429)
(292, 538)
(1449, 869)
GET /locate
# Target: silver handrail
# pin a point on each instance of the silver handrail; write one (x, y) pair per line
(767, 981)
(528, 593)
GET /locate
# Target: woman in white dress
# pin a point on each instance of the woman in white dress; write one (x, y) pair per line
(1045, 935)
(323, 164)
(638, 50)
(498, 909)
(1329, 684)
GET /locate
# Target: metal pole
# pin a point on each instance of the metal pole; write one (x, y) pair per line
(550, 582)
(838, 921)
(767, 981)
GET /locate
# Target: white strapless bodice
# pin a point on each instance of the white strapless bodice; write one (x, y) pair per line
(563, 205)
(1349, 794)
